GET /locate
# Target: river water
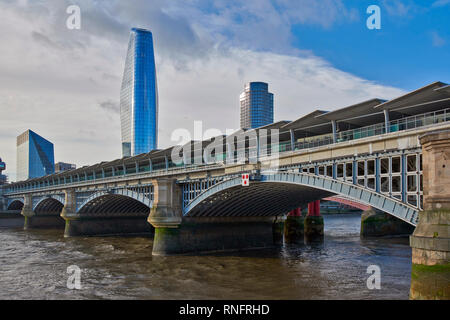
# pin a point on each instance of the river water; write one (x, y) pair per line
(33, 265)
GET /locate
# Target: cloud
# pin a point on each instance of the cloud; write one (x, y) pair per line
(437, 40)
(441, 3)
(398, 7)
(65, 84)
(110, 106)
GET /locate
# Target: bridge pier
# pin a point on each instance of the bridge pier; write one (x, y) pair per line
(294, 231)
(430, 242)
(314, 223)
(375, 223)
(278, 230)
(214, 234)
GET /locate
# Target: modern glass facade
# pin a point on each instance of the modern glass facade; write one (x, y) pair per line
(256, 105)
(35, 156)
(139, 96)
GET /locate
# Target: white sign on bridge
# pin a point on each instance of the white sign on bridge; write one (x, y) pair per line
(245, 180)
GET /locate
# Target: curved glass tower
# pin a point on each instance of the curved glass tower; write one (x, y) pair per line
(139, 96)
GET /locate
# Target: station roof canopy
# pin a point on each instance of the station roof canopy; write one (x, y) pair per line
(308, 120)
(433, 92)
(357, 115)
(275, 125)
(360, 109)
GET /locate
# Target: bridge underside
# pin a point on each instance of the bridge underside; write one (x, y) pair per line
(260, 199)
(15, 205)
(113, 203)
(49, 206)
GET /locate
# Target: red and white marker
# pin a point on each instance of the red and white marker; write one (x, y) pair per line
(245, 180)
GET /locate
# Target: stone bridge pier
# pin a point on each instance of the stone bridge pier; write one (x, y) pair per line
(430, 242)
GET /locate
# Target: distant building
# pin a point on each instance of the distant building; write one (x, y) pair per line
(256, 105)
(35, 156)
(3, 178)
(139, 96)
(62, 166)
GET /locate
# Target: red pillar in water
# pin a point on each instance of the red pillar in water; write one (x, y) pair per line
(295, 213)
(314, 208)
(317, 205)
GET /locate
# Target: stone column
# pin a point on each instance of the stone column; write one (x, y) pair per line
(314, 223)
(294, 232)
(27, 211)
(69, 212)
(166, 216)
(430, 242)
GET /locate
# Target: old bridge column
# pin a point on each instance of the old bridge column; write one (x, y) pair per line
(430, 242)
(27, 211)
(69, 212)
(165, 216)
(314, 223)
(294, 227)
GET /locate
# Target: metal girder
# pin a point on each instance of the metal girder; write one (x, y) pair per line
(229, 197)
(99, 199)
(37, 201)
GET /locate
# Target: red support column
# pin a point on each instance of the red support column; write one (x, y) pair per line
(317, 207)
(311, 209)
(295, 213)
(314, 208)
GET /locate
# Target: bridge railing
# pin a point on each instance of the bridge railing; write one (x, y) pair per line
(402, 124)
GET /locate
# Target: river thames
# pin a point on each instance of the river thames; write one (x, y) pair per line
(33, 265)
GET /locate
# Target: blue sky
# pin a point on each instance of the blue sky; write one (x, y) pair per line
(314, 55)
(412, 47)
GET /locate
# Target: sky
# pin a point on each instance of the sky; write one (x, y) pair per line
(65, 84)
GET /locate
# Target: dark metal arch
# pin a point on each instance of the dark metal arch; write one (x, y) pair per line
(114, 204)
(276, 194)
(49, 206)
(259, 199)
(15, 205)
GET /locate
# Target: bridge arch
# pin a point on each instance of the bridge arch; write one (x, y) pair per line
(278, 193)
(49, 205)
(15, 204)
(116, 202)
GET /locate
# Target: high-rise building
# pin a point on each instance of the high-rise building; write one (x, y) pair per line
(139, 96)
(3, 178)
(256, 105)
(35, 156)
(62, 166)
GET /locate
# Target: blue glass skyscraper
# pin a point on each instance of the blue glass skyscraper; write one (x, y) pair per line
(139, 96)
(35, 156)
(256, 105)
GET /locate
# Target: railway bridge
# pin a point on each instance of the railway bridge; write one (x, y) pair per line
(393, 156)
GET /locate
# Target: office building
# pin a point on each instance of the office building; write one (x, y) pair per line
(139, 96)
(35, 156)
(256, 105)
(3, 178)
(62, 166)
